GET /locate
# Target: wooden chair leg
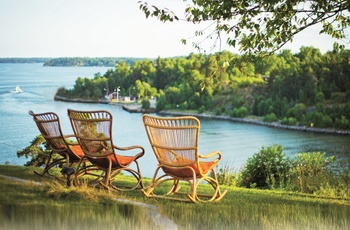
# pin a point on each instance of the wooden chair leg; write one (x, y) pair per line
(49, 165)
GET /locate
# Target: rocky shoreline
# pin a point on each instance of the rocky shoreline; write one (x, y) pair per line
(259, 122)
(137, 109)
(79, 100)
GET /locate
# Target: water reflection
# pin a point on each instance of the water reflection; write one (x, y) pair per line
(261, 215)
(122, 216)
(247, 215)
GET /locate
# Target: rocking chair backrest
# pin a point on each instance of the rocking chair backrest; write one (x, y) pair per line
(93, 130)
(174, 140)
(50, 128)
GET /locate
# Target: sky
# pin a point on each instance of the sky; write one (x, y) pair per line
(106, 28)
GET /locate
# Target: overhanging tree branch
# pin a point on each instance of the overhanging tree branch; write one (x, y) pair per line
(261, 26)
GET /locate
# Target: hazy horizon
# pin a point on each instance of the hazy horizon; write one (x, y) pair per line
(107, 28)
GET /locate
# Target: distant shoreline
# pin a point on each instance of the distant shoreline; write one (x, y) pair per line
(259, 122)
(79, 100)
(136, 109)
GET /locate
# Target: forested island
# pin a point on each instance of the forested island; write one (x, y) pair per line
(73, 61)
(307, 88)
(24, 60)
(87, 61)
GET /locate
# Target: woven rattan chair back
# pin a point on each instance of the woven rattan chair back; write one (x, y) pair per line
(174, 141)
(94, 133)
(49, 126)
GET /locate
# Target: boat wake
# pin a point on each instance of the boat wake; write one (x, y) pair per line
(17, 90)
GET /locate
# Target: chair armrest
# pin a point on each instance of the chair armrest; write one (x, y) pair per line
(140, 154)
(210, 155)
(71, 137)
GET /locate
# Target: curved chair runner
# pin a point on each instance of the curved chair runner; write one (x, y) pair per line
(50, 128)
(93, 130)
(175, 144)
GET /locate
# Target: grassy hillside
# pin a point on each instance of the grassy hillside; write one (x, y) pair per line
(84, 207)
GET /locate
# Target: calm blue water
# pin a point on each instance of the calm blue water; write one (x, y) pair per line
(236, 141)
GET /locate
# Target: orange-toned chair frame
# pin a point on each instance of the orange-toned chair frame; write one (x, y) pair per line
(76, 117)
(47, 123)
(179, 168)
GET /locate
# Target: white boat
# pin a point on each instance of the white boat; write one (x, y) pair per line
(17, 90)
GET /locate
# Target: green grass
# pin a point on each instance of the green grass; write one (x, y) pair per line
(91, 208)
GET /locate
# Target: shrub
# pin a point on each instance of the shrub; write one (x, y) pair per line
(239, 112)
(284, 121)
(201, 109)
(264, 105)
(38, 151)
(269, 168)
(220, 110)
(161, 103)
(342, 123)
(271, 117)
(145, 104)
(320, 120)
(320, 97)
(226, 175)
(338, 97)
(299, 110)
(62, 92)
(311, 170)
(288, 121)
(183, 105)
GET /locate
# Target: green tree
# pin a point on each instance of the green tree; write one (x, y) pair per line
(173, 95)
(121, 76)
(38, 151)
(299, 110)
(320, 97)
(260, 26)
(144, 71)
(145, 104)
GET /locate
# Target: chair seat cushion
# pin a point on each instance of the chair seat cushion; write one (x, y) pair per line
(78, 152)
(125, 160)
(186, 172)
(118, 161)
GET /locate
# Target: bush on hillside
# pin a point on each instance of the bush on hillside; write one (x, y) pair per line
(289, 121)
(271, 117)
(268, 168)
(311, 170)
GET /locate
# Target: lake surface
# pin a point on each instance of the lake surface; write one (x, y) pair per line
(236, 141)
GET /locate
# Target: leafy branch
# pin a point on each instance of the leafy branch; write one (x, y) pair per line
(261, 26)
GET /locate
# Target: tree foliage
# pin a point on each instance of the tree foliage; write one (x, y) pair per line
(267, 168)
(38, 152)
(306, 88)
(260, 26)
(24, 60)
(87, 61)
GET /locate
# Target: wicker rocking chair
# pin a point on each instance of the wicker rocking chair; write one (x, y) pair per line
(175, 145)
(93, 130)
(50, 128)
